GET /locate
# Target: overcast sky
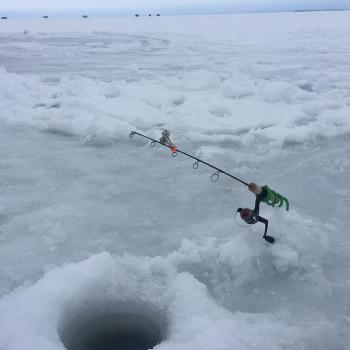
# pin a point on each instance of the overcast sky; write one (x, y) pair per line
(233, 5)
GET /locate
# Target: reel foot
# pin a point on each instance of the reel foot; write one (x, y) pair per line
(269, 239)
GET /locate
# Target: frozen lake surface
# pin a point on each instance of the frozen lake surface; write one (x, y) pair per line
(92, 220)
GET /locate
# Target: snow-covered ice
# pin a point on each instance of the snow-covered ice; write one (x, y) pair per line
(91, 219)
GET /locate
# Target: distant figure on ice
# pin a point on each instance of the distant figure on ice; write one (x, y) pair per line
(268, 196)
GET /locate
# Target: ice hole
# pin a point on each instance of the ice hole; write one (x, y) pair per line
(113, 328)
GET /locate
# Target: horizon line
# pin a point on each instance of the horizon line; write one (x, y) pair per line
(106, 12)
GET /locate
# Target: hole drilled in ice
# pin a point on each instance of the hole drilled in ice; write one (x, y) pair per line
(55, 105)
(43, 105)
(113, 328)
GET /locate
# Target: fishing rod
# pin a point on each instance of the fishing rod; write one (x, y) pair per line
(263, 194)
(214, 177)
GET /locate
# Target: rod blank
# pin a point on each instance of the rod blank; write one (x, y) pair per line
(216, 175)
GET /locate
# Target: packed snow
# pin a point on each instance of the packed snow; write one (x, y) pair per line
(91, 219)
